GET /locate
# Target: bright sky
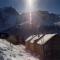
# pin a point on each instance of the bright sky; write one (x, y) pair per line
(20, 5)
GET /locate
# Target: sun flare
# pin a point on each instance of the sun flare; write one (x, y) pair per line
(30, 3)
(30, 7)
(30, 18)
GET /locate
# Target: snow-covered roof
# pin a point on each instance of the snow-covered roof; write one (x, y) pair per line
(36, 37)
(45, 38)
(30, 37)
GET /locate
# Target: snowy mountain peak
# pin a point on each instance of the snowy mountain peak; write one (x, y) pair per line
(8, 18)
(10, 10)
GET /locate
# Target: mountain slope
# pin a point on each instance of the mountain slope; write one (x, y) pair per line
(9, 17)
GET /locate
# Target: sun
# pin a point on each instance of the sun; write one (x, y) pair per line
(29, 5)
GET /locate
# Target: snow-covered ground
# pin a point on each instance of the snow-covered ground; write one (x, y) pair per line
(14, 52)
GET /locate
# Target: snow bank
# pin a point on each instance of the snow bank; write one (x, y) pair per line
(14, 52)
